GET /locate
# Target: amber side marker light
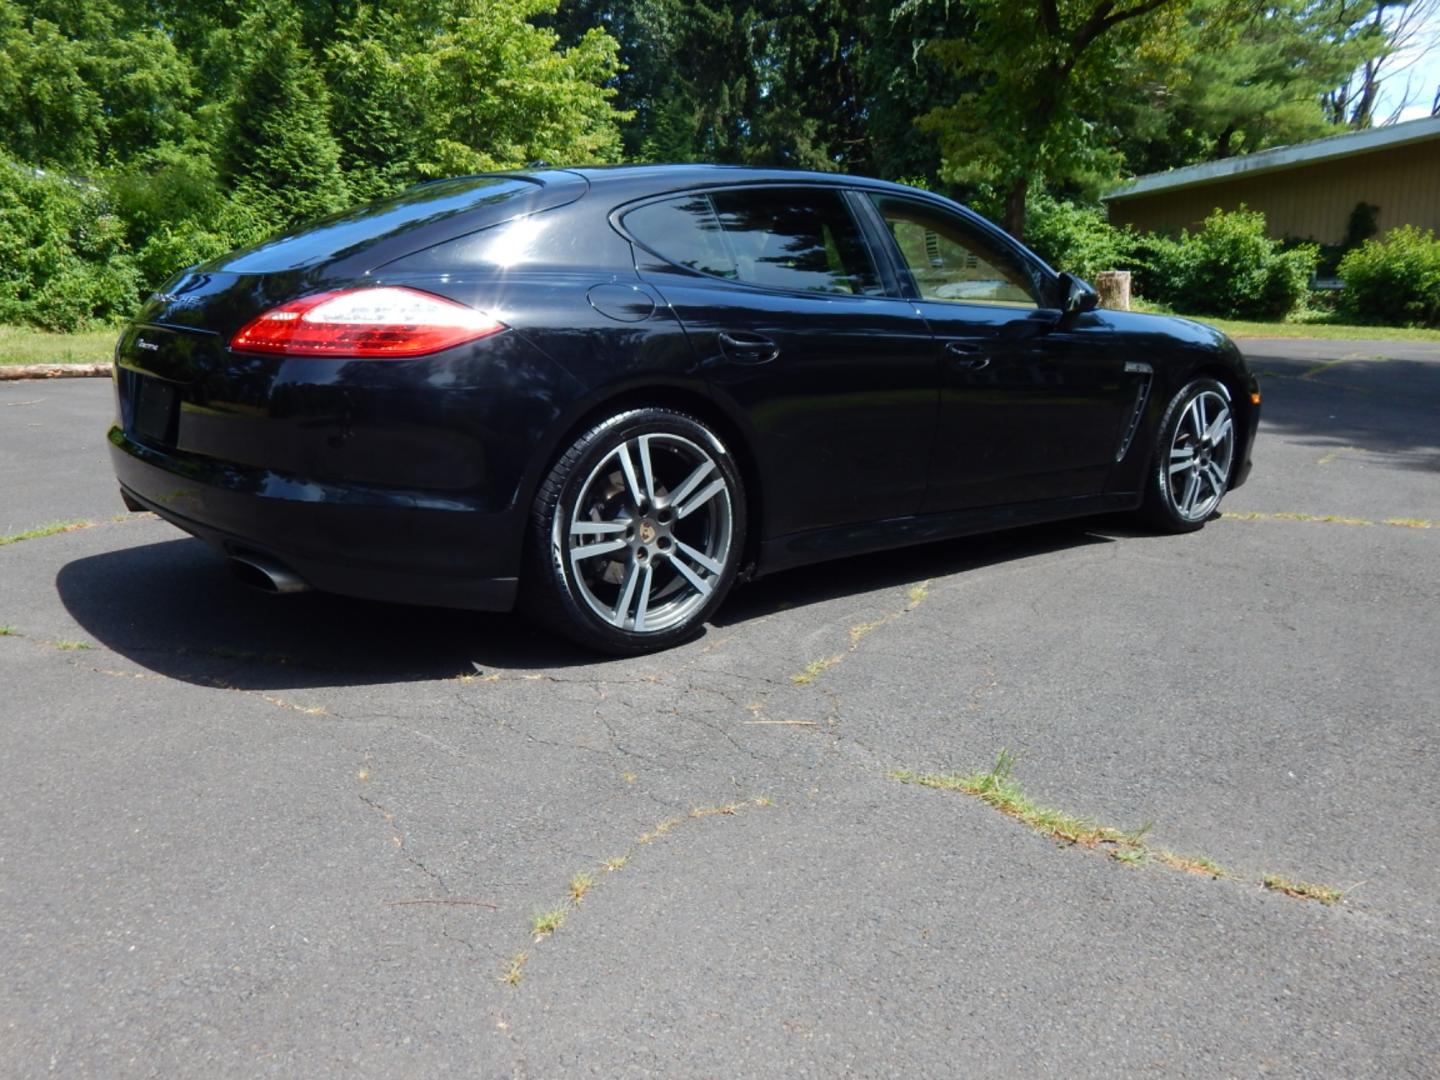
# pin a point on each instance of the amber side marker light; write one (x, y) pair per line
(1255, 398)
(384, 322)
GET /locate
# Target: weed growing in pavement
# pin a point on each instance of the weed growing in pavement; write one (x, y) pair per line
(999, 788)
(44, 530)
(515, 970)
(8, 631)
(71, 646)
(814, 670)
(1304, 890)
(1191, 864)
(914, 597)
(544, 923)
(580, 884)
(1327, 519)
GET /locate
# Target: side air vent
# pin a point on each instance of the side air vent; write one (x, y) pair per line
(1142, 394)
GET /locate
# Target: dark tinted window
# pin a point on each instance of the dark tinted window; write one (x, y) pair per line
(365, 226)
(780, 238)
(951, 261)
(685, 231)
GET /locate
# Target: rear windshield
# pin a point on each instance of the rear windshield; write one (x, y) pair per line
(355, 230)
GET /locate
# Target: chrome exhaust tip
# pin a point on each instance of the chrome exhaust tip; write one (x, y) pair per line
(266, 574)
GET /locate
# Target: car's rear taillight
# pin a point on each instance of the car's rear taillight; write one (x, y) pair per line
(385, 321)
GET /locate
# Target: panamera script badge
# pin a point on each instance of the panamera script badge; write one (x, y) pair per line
(176, 301)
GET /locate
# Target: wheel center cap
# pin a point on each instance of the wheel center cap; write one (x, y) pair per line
(647, 532)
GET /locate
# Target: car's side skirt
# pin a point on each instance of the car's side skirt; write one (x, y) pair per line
(798, 549)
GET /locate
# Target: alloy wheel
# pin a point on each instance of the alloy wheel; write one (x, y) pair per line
(650, 533)
(1201, 454)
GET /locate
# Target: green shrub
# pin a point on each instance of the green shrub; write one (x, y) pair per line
(170, 186)
(75, 253)
(1230, 268)
(64, 261)
(173, 248)
(1076, 238)
(1395, 280)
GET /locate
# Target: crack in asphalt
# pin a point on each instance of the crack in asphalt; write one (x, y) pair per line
(631, 693)
(1326, 519)
(401, 844)
(573, 902)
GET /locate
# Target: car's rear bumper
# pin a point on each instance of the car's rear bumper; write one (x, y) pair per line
(370, 542)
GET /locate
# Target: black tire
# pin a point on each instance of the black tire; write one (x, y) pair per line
(665, 546)
(1183, 457)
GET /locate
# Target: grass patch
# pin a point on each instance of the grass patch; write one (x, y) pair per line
(580, 884)
(859, 631)
(1322, 325)
(659, 830)
(1326, 519)
(1000, 789)
(71, 646)
(544, 923)
(1191, 864)
(25, 345)
(39, 531)
(515, 970)
(814, 670)
(8, 631)
(914, 597)
(1321, 330)
(1303, 890)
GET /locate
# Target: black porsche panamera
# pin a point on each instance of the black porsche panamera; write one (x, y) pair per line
(610, 393)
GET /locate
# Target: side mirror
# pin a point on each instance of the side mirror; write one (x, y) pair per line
(1078, 295)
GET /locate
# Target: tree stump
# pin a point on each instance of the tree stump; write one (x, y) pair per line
(54, 371)
(1114, 289)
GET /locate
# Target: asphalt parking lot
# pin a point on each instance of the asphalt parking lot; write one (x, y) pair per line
(309, 836)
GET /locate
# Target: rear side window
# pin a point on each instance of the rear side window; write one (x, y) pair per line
(366, 226)
(800, 240)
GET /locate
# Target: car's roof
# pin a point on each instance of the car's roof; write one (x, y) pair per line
(643, 178)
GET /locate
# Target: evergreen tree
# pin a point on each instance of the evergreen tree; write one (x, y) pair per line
(903, 79)
(1243, 80)
(278, 154)
(378, 103)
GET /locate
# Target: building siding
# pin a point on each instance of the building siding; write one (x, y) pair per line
(1309, 201)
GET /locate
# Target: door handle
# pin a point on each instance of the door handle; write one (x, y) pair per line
(745, 348)
(966, 356)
